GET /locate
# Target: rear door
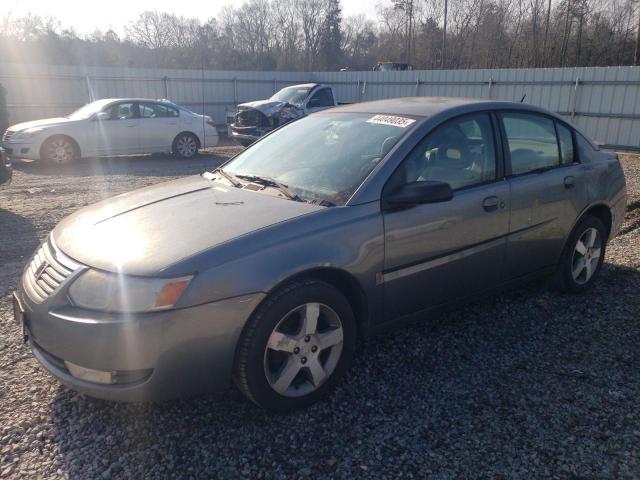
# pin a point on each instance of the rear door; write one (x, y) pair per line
(118, 134)
(435, 253)
(158, 127)
(547, 189)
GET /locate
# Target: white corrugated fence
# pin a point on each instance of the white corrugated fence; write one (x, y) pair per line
(602, 101)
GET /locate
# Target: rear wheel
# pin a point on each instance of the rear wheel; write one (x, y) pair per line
(296, 346)
(185, 145)
(59, 150)
(584, 255)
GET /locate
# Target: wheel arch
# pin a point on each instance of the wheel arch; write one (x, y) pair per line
(73, 141)
(344, 282)
(601, 211)
(189, 132)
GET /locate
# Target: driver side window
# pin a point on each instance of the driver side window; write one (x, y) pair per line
(322, 98)
(460, 152)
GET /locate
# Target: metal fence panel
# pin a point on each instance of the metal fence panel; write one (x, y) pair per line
(603, 101)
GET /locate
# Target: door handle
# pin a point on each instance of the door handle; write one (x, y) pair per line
(569, 182)
(491, 203)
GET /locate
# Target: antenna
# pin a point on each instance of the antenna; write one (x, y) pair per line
(523, 97)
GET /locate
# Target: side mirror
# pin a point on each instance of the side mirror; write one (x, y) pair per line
(102, 116)
(416, 193)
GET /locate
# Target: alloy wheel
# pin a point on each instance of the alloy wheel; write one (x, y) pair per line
(586, 256)
(186, 146)
(60, 151)
(303, 350)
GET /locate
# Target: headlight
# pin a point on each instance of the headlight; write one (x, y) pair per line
(121, 293)
(26, 134)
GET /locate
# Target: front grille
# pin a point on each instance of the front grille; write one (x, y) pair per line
(47, 270)
(250, 118)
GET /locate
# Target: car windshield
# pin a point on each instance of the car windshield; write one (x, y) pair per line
(88, 110)
(293, 95)
(322, 158)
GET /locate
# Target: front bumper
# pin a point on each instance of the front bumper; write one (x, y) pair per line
(184, 352)
(30, 151)
(246, 134)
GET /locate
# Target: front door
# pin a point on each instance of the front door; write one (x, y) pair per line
(320, 100)
(435, 253)
(119, 133)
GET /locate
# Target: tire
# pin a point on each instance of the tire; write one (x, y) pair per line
(59, 150)
(185, 145)
(583, 256)
(281, 368)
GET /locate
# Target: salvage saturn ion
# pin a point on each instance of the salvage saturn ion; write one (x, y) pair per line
(340, 224)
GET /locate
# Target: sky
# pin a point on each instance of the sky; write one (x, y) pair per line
(87, 16)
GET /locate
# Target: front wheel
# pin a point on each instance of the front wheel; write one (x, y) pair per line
(584, 255)
(185, 145)
(59, 150)
(296, 346)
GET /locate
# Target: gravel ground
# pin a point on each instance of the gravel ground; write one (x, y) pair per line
(528, 384)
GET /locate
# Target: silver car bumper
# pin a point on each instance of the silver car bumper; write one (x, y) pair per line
(153, 356)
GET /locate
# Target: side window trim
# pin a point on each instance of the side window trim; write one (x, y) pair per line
(498, 146)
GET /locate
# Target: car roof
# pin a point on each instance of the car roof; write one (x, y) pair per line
(429, 106)
(304, 85)
(132, 99)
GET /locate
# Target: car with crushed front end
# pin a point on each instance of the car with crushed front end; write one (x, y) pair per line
(339, 225)
(253, 120)
(113, 126)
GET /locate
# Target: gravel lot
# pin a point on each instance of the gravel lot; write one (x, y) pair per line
(528, 384)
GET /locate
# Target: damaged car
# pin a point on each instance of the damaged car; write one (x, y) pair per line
(255, 119)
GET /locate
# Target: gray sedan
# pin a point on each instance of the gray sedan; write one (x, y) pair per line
(331, 228)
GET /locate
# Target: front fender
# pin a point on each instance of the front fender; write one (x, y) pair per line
(344, 238)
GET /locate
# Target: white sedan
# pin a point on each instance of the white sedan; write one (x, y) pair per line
(120, 126)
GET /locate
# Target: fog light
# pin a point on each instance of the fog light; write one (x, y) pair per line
(89, 375)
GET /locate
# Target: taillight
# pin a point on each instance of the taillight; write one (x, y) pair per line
(211, 123)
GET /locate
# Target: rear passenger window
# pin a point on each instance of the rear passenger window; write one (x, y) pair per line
(460, 152)
(532, 142)
(566, 144)
(155, 110)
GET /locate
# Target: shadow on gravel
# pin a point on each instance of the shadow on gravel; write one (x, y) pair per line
(22, 238)
(528, 384)
(138, 165)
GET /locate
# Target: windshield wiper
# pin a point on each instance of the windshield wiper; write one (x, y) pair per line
(272, 182)
(229, 177)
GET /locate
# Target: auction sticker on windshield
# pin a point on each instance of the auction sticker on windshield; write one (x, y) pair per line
(392, 120)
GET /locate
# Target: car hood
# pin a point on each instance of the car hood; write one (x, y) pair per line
(267, 107)
(147, 231)
(46, 122)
